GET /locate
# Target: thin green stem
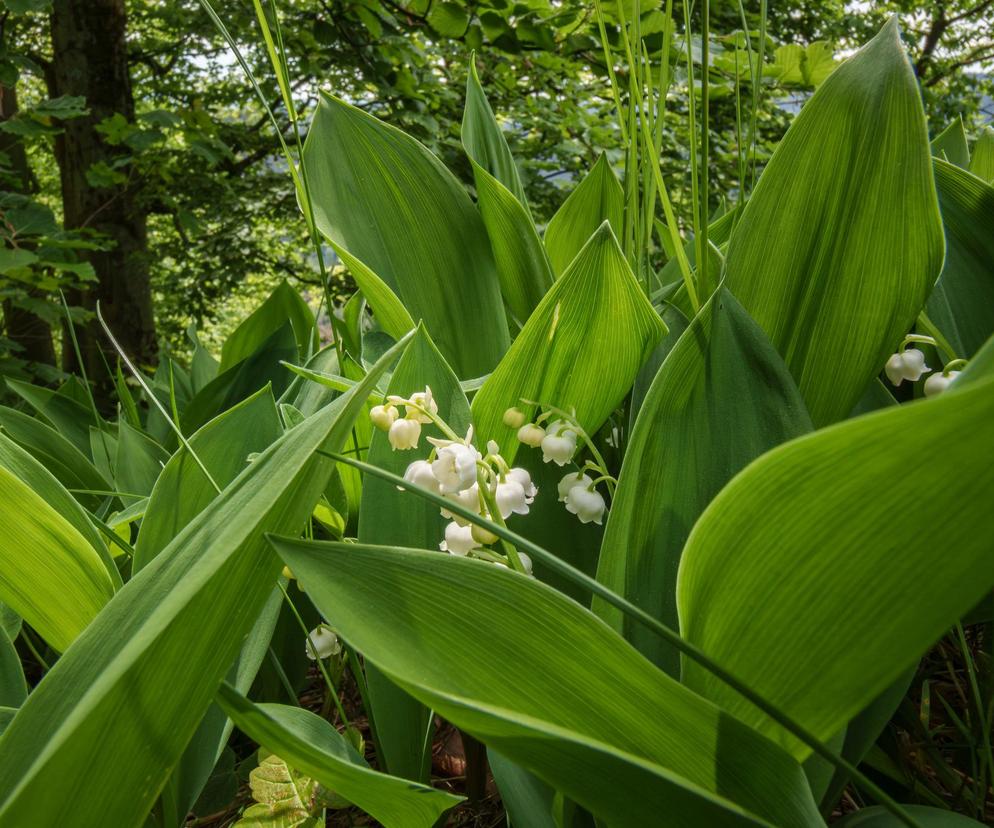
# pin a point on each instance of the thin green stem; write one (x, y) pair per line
(639, 615)
(281, 674)
(34, 651)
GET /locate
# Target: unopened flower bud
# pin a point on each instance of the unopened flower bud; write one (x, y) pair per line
(288, 573)
(939, 382)
(531, 435)
(383, 416)
(514, 418)
(483, 535)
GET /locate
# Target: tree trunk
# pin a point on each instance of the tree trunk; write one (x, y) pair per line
(26, 329)
(90, 59)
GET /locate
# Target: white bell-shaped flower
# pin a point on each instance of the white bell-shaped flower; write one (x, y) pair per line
(459, 540)
(404, 434)
(322, 643)
(420, 474)
(455, 467)
(569, 481)
(906, 365)
(511, 500)
(425, 400)
(531, 435)
(586, 503)
(383, 416)
(939, 382)
(559, 444)
(468, 499)
(519, 475)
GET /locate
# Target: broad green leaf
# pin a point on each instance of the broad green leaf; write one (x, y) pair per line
(581, 348)
(383, 197)
(307, 396)
(823, 525)
(182, 491)
(62, 458)
(522, 264)
(449, 19)
(67, 416)
(310, 744)
(722, 398)
(950, 144)
(138, 463)
(541, 680)
(840, 242)
(982, 162)
(263, 367)
(13, 687)
(142, 674)
(10, 621)
(390, 311)
(30, 471)
(596, 199)
(962, 304)
(283, 305)
(284, 798)
(526, 798)
(387, 516)
(52, 577)
(879, 817)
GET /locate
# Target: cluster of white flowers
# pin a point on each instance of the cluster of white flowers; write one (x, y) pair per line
(909, 364)
(457, 470)
(559, 444)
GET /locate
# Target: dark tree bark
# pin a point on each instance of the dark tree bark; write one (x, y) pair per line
(90, 59)
(29, 331)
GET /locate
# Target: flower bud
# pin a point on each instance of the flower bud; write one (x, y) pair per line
(383, 416)
(322, 643)
(939, 382)
(531, 435)
(526, 562)
(482, 535)
(459, 540)
(588, 505)
(288, 574)
(514, 418)
(404, 434)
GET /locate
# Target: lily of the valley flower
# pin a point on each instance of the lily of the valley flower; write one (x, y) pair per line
(420, 474)
(906, 365)
(569, 481)
(511, 498)
(468, 499)
(586, 503)
(559, 443)
(424, 400)
(383, 416)
(939, 382)
(404, 434)
(322, 643)
(531, 435)
(455, 467)
(459, 540)
(519, 475)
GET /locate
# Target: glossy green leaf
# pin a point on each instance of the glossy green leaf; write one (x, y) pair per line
(283, 305)
(982, 161)
(387, 516)
(190, 608)
(52, 577)
(182, 491)
(13, 687)
(522, 265)
(383, 197)
(138, 462)
(310, 744)
(596, 199)
(840, 242)
(581, 348)
(526, 798)
(878, 817)
(30, 471)
(722, 398)
(823, 523)
(67, 416)
(538, 678)
(950, 144)
(962, 304)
